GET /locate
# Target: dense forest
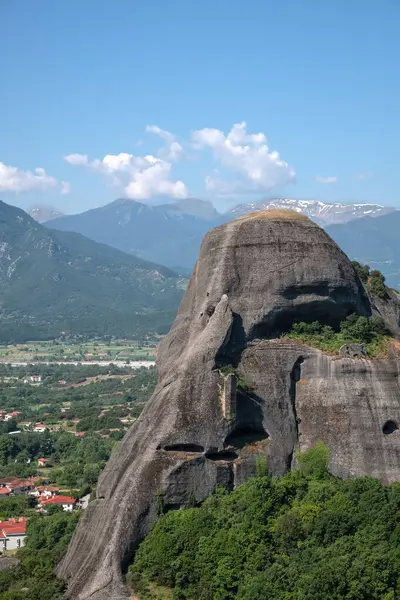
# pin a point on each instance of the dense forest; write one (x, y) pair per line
(304, 536)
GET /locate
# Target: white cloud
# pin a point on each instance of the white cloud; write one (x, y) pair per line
(163, 133)
(77, 159)
(245, 161)
(154, 180)
(13, 179)
(320, 179)
(247, 156)
(173, 150)
(65, 188)
(142, 177)
(363, 176)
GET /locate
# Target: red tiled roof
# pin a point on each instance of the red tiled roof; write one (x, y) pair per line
(48, 488)
(59, 500)
(14, 481)
(5, 490)
(14, 526)
(43, 459)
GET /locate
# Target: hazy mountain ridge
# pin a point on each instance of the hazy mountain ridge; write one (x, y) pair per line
(54, 281)
(372, 241)
(164, 231)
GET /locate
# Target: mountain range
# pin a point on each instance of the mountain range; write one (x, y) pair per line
(171, 234)
(55, 281)
(322, 213)
(166, 234)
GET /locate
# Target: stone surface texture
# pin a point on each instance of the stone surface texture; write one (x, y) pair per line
(230, 391)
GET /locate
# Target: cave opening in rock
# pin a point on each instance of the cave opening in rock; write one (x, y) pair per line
(245, 436)
(184, 448)
(390, 427)
(224, 455)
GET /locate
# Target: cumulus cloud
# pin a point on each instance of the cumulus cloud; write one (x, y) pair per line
(65, 188)
(320, 179)
(245, 162)
(247, 156)
(13, 179)
(173, 150)
(77, 159)
(142, 177)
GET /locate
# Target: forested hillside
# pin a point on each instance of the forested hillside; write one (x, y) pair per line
(304, 536)
(53, 282)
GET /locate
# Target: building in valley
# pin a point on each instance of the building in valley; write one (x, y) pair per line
(12, 533)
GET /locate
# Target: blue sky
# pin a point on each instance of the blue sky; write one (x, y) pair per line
(315, 81)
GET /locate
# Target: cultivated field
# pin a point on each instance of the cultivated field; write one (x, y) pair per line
(120, 350)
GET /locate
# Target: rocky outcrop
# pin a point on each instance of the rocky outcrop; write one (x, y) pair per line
(353, 351)
(230, 391)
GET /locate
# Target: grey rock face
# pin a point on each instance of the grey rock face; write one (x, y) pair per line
(353, 350)
(230, 392)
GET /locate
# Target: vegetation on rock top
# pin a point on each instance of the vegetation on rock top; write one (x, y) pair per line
(373, 280)
(353, 330)
(284, 214)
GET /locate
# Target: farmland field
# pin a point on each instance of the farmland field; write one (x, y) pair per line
(118, 350)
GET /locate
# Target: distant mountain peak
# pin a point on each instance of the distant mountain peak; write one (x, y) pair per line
(43, 212)
(323, 213)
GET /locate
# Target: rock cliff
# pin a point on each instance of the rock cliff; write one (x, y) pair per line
(230, 390)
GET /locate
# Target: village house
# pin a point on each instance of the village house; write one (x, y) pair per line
(39, 428)
(43, 462)
(67, 502)
(12, 415)
(34, 379)
(13, 486)
(45, 491)
(12, 533)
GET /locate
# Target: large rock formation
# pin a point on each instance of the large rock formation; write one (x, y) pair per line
(230, 390)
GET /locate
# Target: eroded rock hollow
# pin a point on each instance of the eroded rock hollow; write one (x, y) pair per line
(230, 390)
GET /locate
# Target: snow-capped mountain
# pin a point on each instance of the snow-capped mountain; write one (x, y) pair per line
(43, 213)
(321, 212)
